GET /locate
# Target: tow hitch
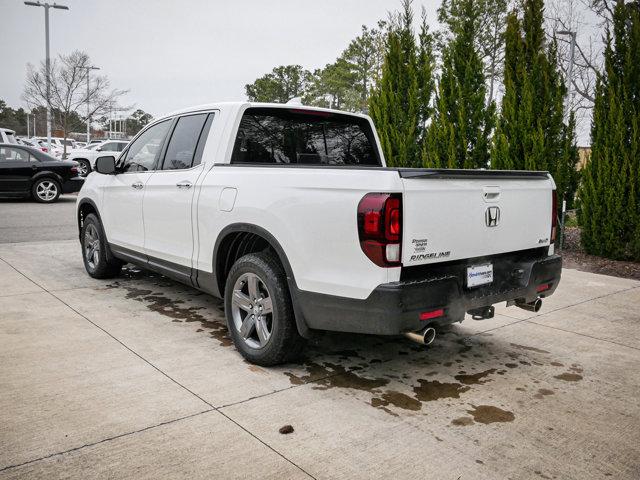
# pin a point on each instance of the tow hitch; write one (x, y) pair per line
(482, 313)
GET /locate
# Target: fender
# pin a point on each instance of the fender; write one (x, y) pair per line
(46, 173)
(88, 201)
(303, 329)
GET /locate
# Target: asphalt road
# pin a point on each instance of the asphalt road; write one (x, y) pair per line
(23, 220)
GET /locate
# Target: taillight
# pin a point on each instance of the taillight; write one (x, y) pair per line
(74, 169)
(542, 287)
(380, 227)
(554, 215)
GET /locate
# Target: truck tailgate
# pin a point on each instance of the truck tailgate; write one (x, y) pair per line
(452, 215)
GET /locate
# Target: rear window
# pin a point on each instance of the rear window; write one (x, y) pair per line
(291, 136)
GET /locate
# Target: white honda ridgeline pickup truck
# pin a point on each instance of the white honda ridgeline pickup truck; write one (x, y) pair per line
(290, 214)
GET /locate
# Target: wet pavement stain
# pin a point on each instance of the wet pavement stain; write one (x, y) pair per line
(569, 377)
(430, 390)
(543, 392)
(462, 421)
(486, 414)
(397, 399)
(330, 375)
(174, 310)
(531, 349)
(476, 378)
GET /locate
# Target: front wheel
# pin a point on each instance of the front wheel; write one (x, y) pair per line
(259, 312)
(94, 250)
(46, 190)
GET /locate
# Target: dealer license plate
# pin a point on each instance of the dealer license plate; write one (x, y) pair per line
(479, 275)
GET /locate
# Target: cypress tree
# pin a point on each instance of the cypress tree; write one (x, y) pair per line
(531, 134)
(462, 122)
(399, 104)
(609, 211)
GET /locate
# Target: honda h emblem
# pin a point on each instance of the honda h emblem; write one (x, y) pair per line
(492, 216)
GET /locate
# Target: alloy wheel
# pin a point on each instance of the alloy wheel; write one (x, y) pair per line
(83, 169)
(91, 246)
(252, 310)
(47, 190)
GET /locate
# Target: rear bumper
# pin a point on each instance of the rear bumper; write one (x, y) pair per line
(72, 185)
(394, 308)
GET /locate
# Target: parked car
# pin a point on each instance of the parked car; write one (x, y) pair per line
(291, 215)
(86, 157)
(29, 172)
(55, 150)
(7, 136)
(58, 145)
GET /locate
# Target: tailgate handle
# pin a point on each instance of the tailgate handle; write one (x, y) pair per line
(491, 193)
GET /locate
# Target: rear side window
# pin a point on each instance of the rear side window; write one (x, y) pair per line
(187, 142)
(110, 147)
(290, 136)
(11, 138)
(8, 154)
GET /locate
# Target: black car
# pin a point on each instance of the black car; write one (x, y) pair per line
(29, 172)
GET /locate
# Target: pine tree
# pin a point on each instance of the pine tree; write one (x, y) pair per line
(531, 133)
(609, 211)
(399, 103)
(461, 115)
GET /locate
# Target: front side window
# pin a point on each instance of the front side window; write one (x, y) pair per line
(181, 149)
(143, 151)
(8, 154)
(291, 136)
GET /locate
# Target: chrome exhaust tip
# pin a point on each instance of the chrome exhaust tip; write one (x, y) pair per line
(424, 337)
(534, 306)
(429, 335)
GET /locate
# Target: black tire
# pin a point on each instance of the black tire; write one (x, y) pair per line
(46, 190)
(284, 343)
(84, 167)
(97, 264)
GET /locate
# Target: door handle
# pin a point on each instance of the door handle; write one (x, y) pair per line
(185, 185)
(137, 185)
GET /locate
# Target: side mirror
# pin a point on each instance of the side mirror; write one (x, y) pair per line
(99, 149)
(106, 165)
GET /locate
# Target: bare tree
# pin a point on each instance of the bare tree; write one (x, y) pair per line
(69, 94)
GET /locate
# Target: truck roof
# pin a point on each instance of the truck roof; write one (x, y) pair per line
(242, 105)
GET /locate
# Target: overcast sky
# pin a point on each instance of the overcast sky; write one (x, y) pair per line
(173, 54)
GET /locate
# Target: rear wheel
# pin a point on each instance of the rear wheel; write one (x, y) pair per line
(259, 311)
(94, 250)
(46, 190)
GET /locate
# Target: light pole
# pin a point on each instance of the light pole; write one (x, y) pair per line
(572, 52)
(88, 69)
(47, 6)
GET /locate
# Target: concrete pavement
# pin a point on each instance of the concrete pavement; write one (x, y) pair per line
(136, 378)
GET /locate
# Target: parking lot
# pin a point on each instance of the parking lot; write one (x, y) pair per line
(136, 378)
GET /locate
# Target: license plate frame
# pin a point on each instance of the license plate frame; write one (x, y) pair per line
(479, 275)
